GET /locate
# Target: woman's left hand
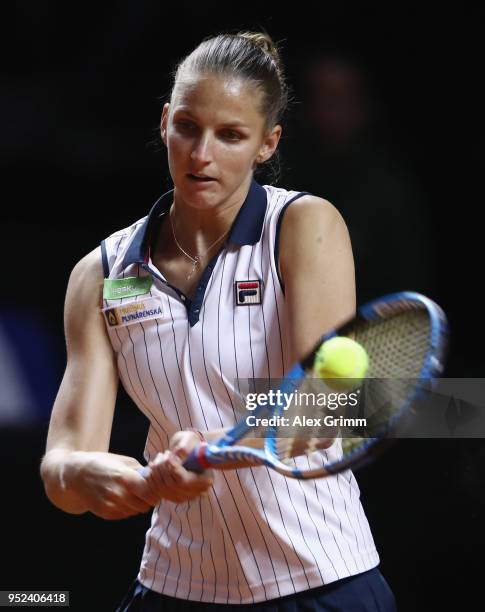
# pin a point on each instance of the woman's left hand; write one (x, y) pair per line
(182, 443)
(168, 475)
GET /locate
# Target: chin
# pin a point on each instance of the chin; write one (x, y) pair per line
(198, 199)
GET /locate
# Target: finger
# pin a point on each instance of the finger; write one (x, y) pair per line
(181, 452)
(177, 469)
(124, 500)
(162, 475)
(190, 480)
(133, 503)
(180, 498)
(143, 488)
(111, 511)
(160, 479)
(184, 444)
(177, 439)
(173, 482)
(155, 492)
(151, 494)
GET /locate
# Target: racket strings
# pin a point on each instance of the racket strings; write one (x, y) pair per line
(397, 348)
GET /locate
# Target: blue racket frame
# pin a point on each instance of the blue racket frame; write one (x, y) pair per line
(226, 450)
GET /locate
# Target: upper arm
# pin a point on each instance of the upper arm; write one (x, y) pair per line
(317, 268)
(83, 410)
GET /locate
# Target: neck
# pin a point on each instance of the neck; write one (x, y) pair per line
(197, 229)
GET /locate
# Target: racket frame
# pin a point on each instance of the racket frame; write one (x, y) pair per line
(227, 450)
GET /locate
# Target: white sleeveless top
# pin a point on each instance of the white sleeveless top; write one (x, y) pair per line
(257, 535)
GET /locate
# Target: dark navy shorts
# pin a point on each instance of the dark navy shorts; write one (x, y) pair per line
(366, 592)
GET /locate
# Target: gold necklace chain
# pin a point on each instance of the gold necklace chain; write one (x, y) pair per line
(198, 258)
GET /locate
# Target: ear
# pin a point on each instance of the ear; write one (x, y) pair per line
(164, 122)
(269, 144)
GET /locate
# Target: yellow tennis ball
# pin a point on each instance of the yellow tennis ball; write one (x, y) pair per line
(342, 360)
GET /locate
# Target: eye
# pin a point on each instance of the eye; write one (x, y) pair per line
(232, 135)
(186, 126)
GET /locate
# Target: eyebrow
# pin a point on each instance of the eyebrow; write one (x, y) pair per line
(231, 124)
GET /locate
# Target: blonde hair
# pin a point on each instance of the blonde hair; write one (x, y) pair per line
(252, 56)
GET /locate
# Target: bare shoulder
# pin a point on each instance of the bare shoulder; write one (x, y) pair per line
(313, 237)
(89, 269)
(84, 299)
(311, 209)
(310, 201)
(86, 279)
(309, 221)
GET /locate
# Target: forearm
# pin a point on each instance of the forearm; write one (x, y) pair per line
(70, 476)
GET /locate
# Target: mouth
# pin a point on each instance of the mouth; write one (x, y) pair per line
(200, 178)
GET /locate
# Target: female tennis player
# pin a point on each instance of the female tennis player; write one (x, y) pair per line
(224, 281)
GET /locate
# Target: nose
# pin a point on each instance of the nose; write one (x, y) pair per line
(202, 151)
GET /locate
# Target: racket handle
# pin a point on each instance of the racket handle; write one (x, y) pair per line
(194, 462)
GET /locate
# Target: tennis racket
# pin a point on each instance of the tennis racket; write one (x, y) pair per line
(404, 335)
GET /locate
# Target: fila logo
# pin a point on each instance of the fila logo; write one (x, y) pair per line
(248, 292)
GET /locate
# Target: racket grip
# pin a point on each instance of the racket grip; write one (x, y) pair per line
(193, 463)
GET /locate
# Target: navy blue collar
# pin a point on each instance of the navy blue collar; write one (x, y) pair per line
(246, 229)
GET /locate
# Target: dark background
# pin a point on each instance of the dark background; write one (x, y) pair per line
(80, 104)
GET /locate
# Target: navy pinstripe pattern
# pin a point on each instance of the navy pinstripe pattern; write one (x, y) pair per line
(257, 535)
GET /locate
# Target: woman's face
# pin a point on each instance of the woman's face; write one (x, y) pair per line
(213, 128)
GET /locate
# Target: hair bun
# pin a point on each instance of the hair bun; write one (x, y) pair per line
(264, 42)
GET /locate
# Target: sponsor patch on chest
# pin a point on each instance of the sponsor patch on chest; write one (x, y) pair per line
(133, 312)
(116, 288)
(247, 292)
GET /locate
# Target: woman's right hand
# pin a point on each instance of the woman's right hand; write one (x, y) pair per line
(110, 485)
